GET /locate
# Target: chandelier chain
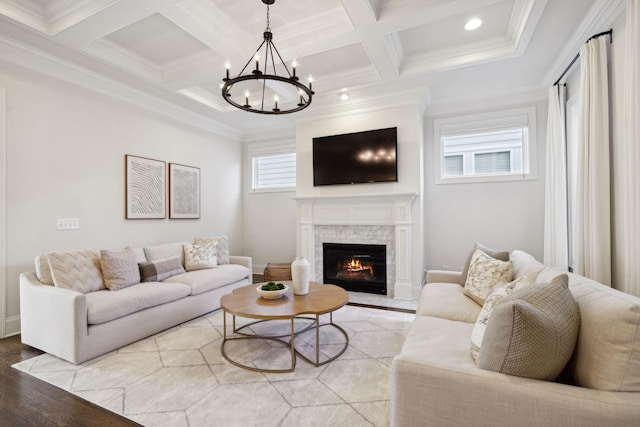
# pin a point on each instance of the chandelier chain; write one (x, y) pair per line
(268, 21)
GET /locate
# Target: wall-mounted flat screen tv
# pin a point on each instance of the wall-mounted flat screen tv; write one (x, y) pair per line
(355, 158)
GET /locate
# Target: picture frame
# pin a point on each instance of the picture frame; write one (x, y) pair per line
(184, 192)
(145, 188)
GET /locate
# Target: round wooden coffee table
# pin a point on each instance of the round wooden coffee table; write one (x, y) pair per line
(245, 302)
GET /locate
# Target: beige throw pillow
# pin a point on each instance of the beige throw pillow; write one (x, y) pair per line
(494, 298)
(497, 254)
(485, 274)
(43, 271)
(199, 257)
(76, 270)
(222, 247)
(119, 268)
(532, 333)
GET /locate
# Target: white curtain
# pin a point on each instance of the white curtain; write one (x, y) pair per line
(556, 236)
(630, 201)
(592, 233)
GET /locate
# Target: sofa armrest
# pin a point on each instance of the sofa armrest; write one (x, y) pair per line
(449, 394)
(243, 260)
(52, 319)
(443, 276)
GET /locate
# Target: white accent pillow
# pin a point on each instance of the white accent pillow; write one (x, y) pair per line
(199, 257)
(76, 270)
(494, 298)
(485, 274)
(222, 247)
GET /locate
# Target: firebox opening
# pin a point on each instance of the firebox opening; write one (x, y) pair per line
(356, 267)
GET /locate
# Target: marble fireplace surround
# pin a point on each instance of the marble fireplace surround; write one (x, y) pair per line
(367, 219)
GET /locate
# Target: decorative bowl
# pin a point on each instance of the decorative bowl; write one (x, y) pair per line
(272, 294)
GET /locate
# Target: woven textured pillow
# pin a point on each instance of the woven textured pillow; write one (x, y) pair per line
(222, 247)
(532, 333)
(199, 257)
(155, 271)
(119, 268)
(498, 294)
(76, 270)
(497, 254)
(485, 274)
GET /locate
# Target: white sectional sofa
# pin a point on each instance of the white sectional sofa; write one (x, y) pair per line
(78, 326)
(436, 383)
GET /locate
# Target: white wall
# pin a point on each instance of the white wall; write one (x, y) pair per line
(502, 215)
(65, 158)
(269, 218)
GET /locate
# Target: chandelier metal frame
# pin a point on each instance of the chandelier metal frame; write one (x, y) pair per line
(305, 93)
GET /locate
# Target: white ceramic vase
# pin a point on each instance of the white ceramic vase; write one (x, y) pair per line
(300, 276)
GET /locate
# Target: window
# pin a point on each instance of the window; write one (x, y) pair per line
(494, 146)
(273, 168)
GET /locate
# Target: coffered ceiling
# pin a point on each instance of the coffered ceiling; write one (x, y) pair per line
(174, 51)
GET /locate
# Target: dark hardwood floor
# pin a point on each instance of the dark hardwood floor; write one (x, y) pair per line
(27, 401)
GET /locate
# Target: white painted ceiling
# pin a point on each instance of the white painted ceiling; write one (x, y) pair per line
(175, 51)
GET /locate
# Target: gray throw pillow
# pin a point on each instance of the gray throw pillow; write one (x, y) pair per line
(501, 255)
(158, 270)
(532, 332)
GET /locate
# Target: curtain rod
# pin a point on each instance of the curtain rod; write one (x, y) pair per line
(610, 33)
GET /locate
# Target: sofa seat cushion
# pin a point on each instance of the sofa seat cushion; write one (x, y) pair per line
(201, 281)
(103, 306)
(448, 301)
(433, 340)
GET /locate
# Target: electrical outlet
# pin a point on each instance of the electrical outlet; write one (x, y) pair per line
(67, 224)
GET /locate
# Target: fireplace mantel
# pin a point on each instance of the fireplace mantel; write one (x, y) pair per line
(384, 209)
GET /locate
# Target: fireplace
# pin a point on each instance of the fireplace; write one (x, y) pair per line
(356, 267)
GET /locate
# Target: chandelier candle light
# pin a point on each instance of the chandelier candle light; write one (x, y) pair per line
(280, 84)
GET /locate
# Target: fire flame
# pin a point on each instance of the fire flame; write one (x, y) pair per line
(355, 266)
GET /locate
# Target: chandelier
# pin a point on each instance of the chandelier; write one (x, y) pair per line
(285, 84)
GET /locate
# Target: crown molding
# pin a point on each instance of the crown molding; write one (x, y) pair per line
(457, 105)
(44, 63)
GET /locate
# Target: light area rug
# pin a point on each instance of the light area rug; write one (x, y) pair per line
(179, 377)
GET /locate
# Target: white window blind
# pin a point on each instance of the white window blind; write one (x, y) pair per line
(274, 171)
(493, 162)
(453, 165)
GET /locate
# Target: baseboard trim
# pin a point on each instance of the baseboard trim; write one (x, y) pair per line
(12, 326)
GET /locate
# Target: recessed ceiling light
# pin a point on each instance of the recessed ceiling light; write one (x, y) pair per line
(473, 24)
(344, 96)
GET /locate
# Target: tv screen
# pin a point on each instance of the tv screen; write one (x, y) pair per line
(355, 158)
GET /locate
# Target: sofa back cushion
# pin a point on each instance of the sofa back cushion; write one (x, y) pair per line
(167, 250)
(607, 355)
(524, 264)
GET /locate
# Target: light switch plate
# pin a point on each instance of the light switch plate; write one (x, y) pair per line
(68, 224)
